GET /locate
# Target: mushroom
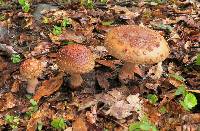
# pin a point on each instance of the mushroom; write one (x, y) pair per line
(31, 69)
(75, 59)
(135, 45)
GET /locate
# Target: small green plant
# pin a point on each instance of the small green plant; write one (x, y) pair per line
(2, 17)
(144, 124)
(88, 3)
(107, 23)
(13, 121)
(15, 58)
(177, 77)
(65, 22)
(152, 98)
(33, 108)
(162, 110)
(57, 30)
(39, 125)
(25, 5)
(189, 100)
(163, 27)
(198, 60)
(68, 42)
(58, 123)
(104, 1)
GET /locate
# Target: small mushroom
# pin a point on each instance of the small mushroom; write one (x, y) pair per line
(135, 45)
(75, 59)
(31, 69)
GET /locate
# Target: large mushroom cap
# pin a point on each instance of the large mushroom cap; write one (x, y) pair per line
(31, 68)
(75, 58)
(136, 44)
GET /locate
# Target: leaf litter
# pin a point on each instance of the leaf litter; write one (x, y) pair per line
(102, 102)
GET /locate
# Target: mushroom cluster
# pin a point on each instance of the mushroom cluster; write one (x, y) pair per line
(31, 69)
(135, 45)
(75, 59)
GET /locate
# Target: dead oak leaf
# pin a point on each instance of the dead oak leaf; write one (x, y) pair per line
(120, 109)
(79, 125)
(67, 36)
(7, 101)
(48, 87)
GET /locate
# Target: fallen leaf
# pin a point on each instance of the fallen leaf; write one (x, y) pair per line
(15, 86)
(120, 110)
(48, 87)
(79, 125)
(67, 36)
(108, 63)
(7, 101)
(40, 115)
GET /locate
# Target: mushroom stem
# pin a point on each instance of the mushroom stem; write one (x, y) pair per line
(32, 83)
(127, 72)
(159, 71)
(75, 80)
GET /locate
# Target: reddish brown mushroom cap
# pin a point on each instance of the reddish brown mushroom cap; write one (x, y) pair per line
(75, 58)
(31, 68)
(135, 44)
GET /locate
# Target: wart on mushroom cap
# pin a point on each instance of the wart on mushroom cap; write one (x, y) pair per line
(136, 45)
(31, 69)
(75, 59)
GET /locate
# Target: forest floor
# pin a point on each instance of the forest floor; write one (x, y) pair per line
(39, 28)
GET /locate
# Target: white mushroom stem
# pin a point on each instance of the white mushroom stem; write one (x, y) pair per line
(32, 83)
(76, 80)
(159, 71)
(127, 71)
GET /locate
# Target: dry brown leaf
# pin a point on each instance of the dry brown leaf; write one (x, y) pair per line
(79, 125)
(156, 71)
(7, 101)
(67, 36)
(41, 114)
(120, 109)
(108, 63)
(15, 86)
(3, 64)
(48, 87)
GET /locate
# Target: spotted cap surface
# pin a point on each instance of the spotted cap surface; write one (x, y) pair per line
(31, 68)
(75, 58)
(135, 44)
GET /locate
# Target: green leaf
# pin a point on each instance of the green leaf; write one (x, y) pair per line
(58, 123)
(145, 126)
(39, 126)
(57, 30)
(152, 98)
(68, 42)
(162, 110)
(198, 60)
(22, 2)
(190, 100)
(181, 90)
(15, 58)
(9, 118)
(177, 77)
(135, 126)
(107, 23)
(104, 1)
(65, 22)
(89, 4)
(26, 7)
(33, 102)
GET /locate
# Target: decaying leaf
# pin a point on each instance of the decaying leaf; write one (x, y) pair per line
(40, 115)
(48, 87)
(79, 125)
(67, 36)
(7, 101)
